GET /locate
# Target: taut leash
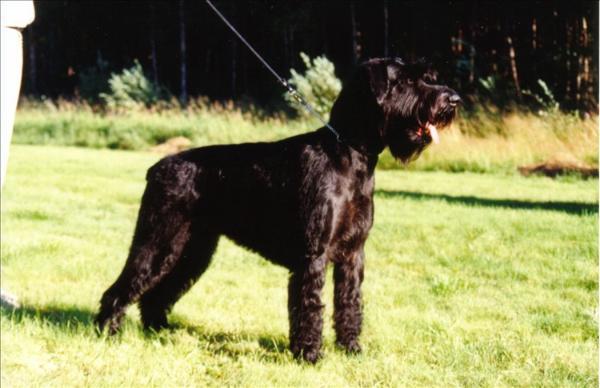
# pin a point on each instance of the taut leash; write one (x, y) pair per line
(293, 92)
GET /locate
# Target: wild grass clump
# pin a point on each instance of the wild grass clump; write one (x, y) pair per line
(486, 140)
(483, 139)
(80, 124)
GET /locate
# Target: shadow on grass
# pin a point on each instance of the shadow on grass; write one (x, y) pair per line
(578, 208)
(64, 317)
(265, 346)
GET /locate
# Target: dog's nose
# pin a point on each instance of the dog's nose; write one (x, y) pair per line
(454, 99)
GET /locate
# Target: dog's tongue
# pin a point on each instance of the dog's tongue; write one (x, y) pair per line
(433, 132)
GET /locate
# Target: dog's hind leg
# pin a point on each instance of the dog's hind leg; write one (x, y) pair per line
(162, 232)
(157, 302)
(348, 277)
(151, 257)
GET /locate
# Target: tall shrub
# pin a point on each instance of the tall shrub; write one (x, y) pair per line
(318, 85)
(130, 89)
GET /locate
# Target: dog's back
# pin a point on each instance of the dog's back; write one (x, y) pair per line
(258, 194)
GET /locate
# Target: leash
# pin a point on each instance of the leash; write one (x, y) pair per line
(293, 92)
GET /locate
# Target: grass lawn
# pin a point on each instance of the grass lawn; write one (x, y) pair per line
(471, 280)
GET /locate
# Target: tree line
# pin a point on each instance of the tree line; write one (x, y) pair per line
(506, 52)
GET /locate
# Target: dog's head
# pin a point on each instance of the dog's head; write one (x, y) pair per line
(395, 104)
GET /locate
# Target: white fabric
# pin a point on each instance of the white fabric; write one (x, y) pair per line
(12, 14)
(15, 13)
(11, 54)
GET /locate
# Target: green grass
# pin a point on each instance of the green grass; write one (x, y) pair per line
(78, 124)
(471, 280)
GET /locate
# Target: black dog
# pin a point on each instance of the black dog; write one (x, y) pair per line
(300, 202)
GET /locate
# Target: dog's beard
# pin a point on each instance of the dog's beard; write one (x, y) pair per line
(443, 117)
(406, 144)
(413, 122)
(407, 141)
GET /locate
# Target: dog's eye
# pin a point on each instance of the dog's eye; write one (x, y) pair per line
(429, 79)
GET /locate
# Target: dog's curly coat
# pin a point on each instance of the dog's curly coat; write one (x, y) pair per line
(300, 202)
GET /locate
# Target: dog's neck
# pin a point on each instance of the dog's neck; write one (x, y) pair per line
(371, 151)
(359, 120)
(359, 138)
(348, 152)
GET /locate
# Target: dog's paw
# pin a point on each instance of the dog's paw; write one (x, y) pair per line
(106, 327)
(351, 347)
(100, 323)
(309, 355)
(156, 324)
(109, 322)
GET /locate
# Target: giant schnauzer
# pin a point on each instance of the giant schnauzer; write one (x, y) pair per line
(300, 202)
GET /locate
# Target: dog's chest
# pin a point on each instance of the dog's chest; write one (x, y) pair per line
(352, 215)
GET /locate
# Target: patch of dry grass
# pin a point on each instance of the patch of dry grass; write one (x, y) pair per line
(483, 140)
(510, 141)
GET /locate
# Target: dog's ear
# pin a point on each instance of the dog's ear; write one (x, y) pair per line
(383, 74)
(359, 107)
(420, 70)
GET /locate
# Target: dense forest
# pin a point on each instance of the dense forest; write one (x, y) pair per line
(487, 49)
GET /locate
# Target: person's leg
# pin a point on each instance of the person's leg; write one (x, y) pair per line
(12, 62)
(11, 55)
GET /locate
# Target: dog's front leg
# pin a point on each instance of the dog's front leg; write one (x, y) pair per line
(306, 310)
(348, 277)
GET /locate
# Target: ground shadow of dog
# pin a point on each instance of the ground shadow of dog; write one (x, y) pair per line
(231, 344)
(577, 208)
